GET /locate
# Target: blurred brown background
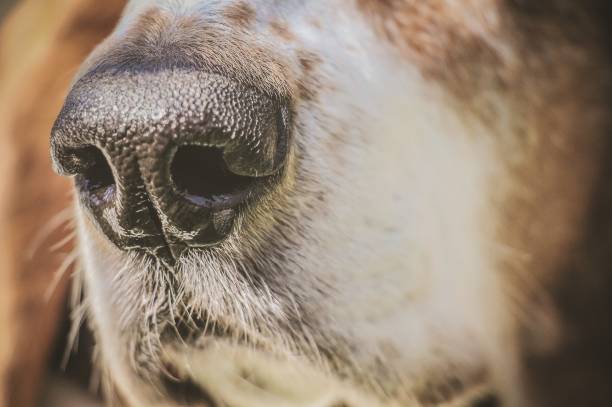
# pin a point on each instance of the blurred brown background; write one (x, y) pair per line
(42, 43)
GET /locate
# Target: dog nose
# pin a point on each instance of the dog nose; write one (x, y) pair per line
(166, 160)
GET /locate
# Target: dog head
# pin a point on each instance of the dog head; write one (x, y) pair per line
(333, 193)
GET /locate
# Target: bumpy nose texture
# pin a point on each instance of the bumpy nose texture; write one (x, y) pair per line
(164, 160)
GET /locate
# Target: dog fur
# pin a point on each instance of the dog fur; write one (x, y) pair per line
(442, 188)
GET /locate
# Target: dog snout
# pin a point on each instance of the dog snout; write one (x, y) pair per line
(165, 160)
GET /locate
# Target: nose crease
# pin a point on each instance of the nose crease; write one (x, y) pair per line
(187, 150)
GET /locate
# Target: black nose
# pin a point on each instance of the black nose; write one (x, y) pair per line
(166, 160)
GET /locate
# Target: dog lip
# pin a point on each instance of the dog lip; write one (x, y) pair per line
(185, 391)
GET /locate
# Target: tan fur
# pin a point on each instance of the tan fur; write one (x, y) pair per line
(548, 70)
(282, 31)
(240, 15)
(195, 43)
(445, 39)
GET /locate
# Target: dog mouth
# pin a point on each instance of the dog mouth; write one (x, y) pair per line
(209, 361)
(186, 392)
(228, 374)
(253, 386)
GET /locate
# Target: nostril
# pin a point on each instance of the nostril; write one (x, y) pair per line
(202, 176)
(95, 176)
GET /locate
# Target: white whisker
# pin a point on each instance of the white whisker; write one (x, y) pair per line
(61, 218)
(57, 277)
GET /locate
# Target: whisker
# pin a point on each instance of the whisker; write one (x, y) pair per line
(60, 219)
(77, 316)
(95, 380)
(78, 310)
(63, 242)
(66, 263)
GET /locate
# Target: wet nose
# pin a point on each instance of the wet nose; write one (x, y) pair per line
(164, 161)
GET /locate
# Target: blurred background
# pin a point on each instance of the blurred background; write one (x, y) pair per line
(42, 43)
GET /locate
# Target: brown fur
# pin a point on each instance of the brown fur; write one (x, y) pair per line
(282, 31)
(557, 215)
(159, 39)
(240, 15)
(561, 95)
(436, 37)
(308, 85)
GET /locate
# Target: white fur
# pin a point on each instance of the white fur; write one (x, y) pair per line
(404, 239)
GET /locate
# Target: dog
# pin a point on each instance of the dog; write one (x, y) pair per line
(345, 203)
